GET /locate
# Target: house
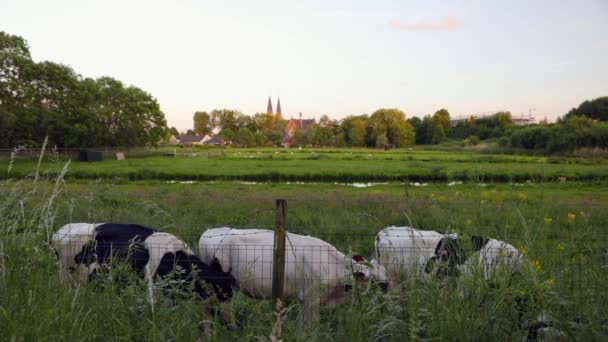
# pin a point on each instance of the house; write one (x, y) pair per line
(217, 140)
(522, 120)
(292, 125)
(188, 139)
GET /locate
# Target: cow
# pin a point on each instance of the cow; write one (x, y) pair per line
(86, 250)
(491, 256)
(406, 251)
(312, 265)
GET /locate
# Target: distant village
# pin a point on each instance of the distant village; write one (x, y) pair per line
(215, 139)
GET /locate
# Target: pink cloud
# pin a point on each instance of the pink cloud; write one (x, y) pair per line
(449, 23)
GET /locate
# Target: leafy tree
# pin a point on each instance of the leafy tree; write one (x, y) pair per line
(174, 131)
(442, 118)
(228, 135)
(245, 137)
(260, 139)
(202, 123)
(381, 140)
(355, 130)
(299, 137)
(392, 123)
(226, 119)
(50, 99)
(596, 109)
(438, 134)
(425, 130)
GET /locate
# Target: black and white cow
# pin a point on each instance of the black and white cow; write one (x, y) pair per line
(311, 264)
(406, 251)
(86, 249)
(492, 256)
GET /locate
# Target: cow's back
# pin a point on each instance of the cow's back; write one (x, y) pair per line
(405, 249)
(248, 255)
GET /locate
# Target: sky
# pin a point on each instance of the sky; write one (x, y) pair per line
(327, 56)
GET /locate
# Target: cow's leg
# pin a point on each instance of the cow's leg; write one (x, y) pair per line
(149, 278)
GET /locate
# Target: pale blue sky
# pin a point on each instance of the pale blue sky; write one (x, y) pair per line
(330, 57)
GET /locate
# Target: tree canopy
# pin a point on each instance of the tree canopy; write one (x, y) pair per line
(48, 99)
(596, 109)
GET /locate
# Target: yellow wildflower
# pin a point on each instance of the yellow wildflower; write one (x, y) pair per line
(560, 246)
(523, 250)
(548, 220)
(537, 266)
(571, 216)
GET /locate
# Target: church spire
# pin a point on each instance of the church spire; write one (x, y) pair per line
(279, 113)
(269, 108)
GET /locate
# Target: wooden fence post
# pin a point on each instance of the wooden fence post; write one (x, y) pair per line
(278, 256)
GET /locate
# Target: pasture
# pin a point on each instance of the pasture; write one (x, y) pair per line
(559, 225)
(322, 165)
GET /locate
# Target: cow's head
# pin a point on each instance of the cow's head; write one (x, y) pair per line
(370, 271)
(449, 255)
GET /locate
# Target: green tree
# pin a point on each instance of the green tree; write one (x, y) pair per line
(226, 118)
(596, 109)
(355, 130)
(381, 140)
(202, 123)
(245, 137)
(393, 124)
(442, 118)
(228, 135)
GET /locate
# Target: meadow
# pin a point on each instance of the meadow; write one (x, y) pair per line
(558, 224)
(324, 165)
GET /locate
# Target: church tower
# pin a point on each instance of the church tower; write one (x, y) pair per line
(279, 113)
(269, 108)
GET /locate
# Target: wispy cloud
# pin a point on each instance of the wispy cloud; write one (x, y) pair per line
(449, 23)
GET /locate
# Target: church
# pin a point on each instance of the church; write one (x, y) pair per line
(292, 124)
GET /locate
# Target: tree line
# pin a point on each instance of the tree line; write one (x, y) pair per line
(48, 99)
(384, 127)
(582, 127)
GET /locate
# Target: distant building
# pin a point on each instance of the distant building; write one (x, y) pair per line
(217, 140)
(292, 125)
(189, 139)
(522, 120)
(269, 111)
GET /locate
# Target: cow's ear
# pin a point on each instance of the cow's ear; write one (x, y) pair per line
(358, 258)
(479, 242)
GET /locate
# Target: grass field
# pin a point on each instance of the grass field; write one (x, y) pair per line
(336, 165)
(560, 226)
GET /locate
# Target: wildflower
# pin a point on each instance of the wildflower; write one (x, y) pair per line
(571, 216)
(562, 179)
(523, 250)
(560, 246)
(548, 220)
(522, 196)
(468, 222)
(550, 282)
(537, 266)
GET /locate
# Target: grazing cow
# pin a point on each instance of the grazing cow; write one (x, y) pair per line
(406, 251)
(311, 264)
(86, 249)
(493, 255)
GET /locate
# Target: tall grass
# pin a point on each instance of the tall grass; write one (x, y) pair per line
(563, 240)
